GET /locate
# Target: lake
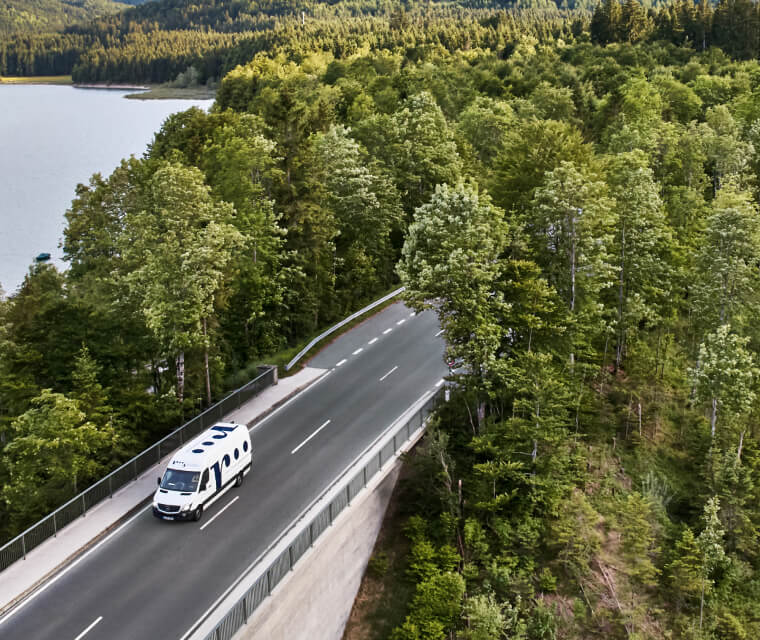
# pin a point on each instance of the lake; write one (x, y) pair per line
(51, 139)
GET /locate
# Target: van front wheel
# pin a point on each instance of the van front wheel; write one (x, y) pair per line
(198, 513)
(239, 479)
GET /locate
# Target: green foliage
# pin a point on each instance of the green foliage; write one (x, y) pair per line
(435, 608)
(575, 536)
(640, 547)
(36, 16)
(582, 218)
(725, 376)
(449, 255)
(378, 565)
(54, 451)
(485, 618)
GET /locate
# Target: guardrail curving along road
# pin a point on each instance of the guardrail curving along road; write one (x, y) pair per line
(153, 579)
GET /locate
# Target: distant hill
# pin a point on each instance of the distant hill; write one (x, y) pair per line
(45, 16)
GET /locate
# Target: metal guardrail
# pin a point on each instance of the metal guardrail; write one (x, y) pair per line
(342, 323)
(22, 544)
(393, 441)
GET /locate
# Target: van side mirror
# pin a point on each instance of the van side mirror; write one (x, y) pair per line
(159, 481)
(203, 486)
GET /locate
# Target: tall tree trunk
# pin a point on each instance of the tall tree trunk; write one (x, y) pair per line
(702, 603)
(180, 376)
(604, 364)
(713, 417)
(205, 361)
(573, 250)
(741, 445)
(620, 328)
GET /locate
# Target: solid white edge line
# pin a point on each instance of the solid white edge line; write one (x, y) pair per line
(293, 399)
(439, 383)
(373, 341)
(402, 321)
(81, 635)
(439, 333)
(310, 437)
(55, 579)
(387, 331)
(342, 362)
(220, 512)
(207, 613)
(389, 373)
(358, 351)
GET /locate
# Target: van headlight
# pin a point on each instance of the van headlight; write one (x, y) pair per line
(187, 507)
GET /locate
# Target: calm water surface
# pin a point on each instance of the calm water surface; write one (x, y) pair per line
(51, 139)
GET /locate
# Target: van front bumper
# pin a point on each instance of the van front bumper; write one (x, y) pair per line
(176, 515)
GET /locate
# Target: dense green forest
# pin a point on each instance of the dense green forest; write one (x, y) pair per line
(45, 16)
(576, 197)
(158, 41)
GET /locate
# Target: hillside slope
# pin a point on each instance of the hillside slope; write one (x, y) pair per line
(44, 16)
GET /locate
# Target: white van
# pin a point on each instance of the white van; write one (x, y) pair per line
(199, 472)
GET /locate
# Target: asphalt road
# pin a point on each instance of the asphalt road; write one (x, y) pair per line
(154, 579)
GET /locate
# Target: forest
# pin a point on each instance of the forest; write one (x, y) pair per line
(47, 16)
(575, 197)
(157, 41)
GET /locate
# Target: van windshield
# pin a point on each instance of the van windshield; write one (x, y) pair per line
(175, 480)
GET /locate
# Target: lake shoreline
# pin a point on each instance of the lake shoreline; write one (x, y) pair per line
(144, 91)
(110, 85)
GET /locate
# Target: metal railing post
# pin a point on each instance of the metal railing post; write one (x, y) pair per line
(55, 527)
(269, 583)
(290, 556)
(110, 485)
(23, 546)
(84, 507)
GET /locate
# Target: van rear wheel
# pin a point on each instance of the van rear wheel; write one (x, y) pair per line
(239, 479)
(198, 513)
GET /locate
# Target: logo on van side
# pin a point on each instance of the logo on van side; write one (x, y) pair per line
(220, 435)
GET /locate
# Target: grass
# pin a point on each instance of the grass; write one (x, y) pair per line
(35, 80)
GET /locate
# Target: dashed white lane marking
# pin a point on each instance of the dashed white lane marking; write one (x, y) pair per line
(221, 511)
(358, 351)
(310, 437)
(439, 383)
(439, 333)
(373, 341)
(341, 362)
(88, 629)
(402, 321)
(387, 331)
(389, 373)
(412, 314)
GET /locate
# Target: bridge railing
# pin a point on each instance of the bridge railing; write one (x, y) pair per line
(49, 526)
(341, 324)
(353, 480)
